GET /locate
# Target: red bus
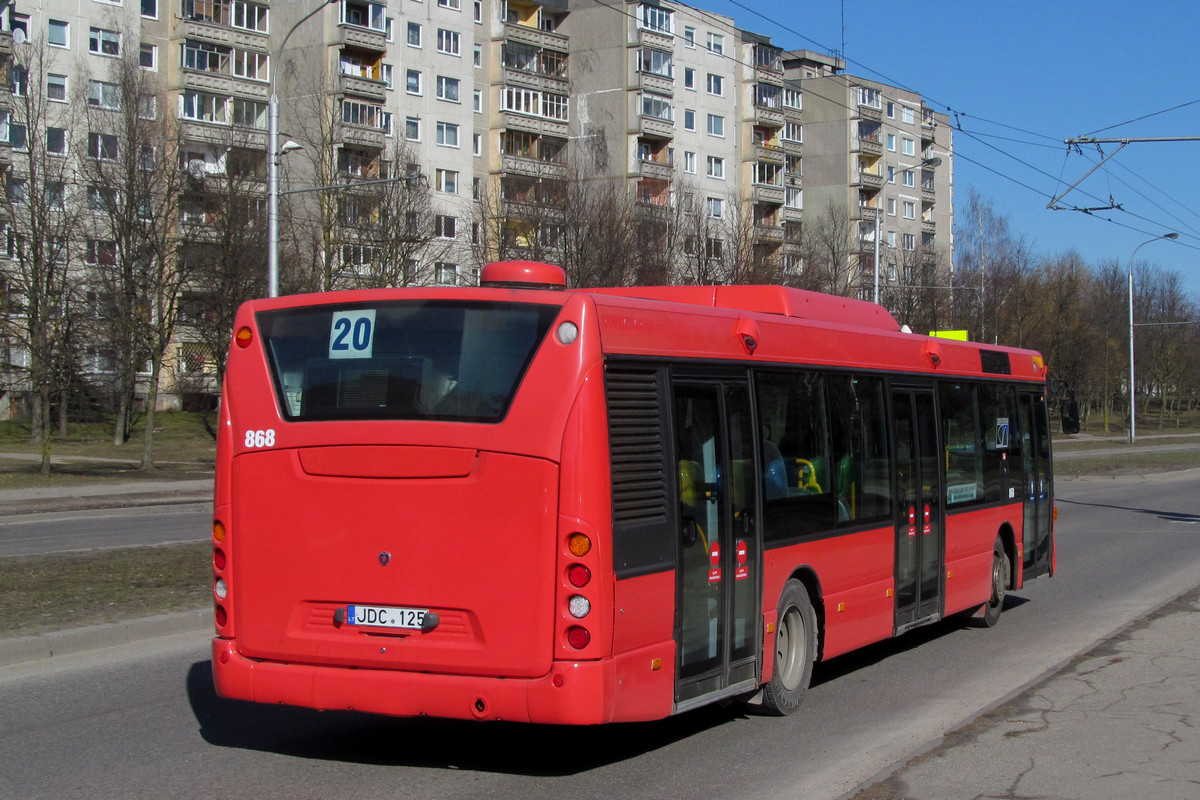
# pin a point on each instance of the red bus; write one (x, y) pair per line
(519, 502)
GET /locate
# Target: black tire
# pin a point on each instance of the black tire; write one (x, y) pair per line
(795, 651)
(989, 615)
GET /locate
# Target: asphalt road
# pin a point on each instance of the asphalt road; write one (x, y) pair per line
(51, 532)
(142, 721)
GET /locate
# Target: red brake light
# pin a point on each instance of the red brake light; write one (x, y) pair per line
(579, 575)
(578, 637)
(219, 559)
(222, 616)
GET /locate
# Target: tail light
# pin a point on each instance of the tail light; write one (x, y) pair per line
(578, 637)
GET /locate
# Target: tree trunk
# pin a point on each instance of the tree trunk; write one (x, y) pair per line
(151, 402)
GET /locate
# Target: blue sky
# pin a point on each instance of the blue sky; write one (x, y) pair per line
(1024, 75)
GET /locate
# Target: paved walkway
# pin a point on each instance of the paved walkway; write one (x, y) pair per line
(1117, 722)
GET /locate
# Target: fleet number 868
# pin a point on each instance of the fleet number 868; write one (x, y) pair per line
(260, 438)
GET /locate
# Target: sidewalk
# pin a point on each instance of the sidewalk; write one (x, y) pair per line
(1117, 721)
(112, 494)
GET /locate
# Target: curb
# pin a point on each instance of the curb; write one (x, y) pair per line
(26, 649)
(87, 503)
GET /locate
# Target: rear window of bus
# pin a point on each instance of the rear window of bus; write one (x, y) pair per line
(402, 360)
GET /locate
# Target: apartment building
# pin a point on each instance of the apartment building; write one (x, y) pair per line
(878, 154)
(420, 138)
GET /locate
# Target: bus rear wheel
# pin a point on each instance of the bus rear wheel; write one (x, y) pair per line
(795, 651)
(989, 615)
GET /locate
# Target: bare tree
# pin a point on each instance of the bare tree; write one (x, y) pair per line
(132, 241)
(41, 274)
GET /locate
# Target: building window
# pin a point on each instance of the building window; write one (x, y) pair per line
(414, 34)
(101, 252)
(793, 132)
(249, 114)
(412, 129)
(689, 119)
(56, 141)
(689, 162)
(103, 146)
(454, 4)
(412, 81)
(689, 78)
(148, 57)
(716, 125)
(447, 88)
(716, 167)
(19, 78)
(446, 180)
(655, 18)
(58, 33)
(909, 242)
(104, 42)
(908, 147)
(56, 87)
(910, 209)
(445, 227)
(150, 9)
(446, 273)
(716, 85)
(910, 179)
(104, 95)
(447, 134)
(907, 116)
(657, 106)
(448, 42)
(689, 37)
(250, 16)
(716, 43)
(655, 62)
(716, 207)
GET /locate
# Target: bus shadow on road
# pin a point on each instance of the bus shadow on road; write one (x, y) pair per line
(870, 655)
(495, 747)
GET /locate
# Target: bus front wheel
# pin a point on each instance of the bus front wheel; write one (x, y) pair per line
(795, 651)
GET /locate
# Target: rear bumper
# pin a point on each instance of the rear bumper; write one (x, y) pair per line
(573, 693)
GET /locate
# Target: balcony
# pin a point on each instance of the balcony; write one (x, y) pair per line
(871, 147)
(366, 88)
(217, 83)
(871, 113)
(6, 44)
(535, 37)
(655, 126)
(362, 136)
(649, 38)
(221, 135)
(928, 226)
(532, 167)
(871, 180)
(771, 116)
(656, 170)
(659, 84)
(768, 233)
(530, 124)
(223, 34)
(765, 193)
(928, 195)
(366, 38)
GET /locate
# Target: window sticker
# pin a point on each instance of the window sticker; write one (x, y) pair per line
(352, 334)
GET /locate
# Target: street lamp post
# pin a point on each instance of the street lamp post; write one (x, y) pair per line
(935, 161)
(273, 155)
(1132, 410)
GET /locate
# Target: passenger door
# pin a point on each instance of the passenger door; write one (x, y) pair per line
(918, 508)
(719, 551)
(1037, 492)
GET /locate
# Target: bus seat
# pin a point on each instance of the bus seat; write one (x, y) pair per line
(775, 479)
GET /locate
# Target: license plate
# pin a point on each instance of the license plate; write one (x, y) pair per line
(386, 617)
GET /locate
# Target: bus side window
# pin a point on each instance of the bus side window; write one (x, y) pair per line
(795, 472)
(858, 417)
